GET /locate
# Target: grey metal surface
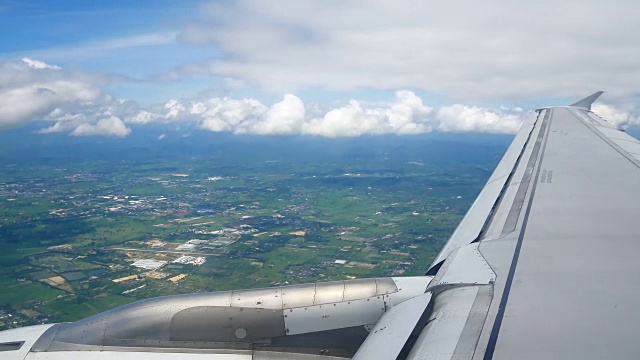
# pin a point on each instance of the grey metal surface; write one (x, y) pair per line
(499, 254)
(621, 140)
(446, 324)
(408, 287)
(27, 336)
(329, 292)
(391, 285)
(501, 222)
(465, 266)
(132, 354)
(361, 304)
(587, 101)
(227, 324)
(135, 355)
(527, 167)
(234, 322)
(11, 346)
(630, 147)
(462, 293)
(475, 219)
(591, 118)
(615, 134)
(390, 334)
(359, 289)
(574, 289)
(270, 298)
(298, 296)
(334, 316)
(271, 355)
(565, 261)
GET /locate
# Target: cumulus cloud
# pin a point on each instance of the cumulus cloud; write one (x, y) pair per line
(621, 116)
(284, 118)
(463, 118)
(462, 53)
(71, 103)
(109, 126)
(227, 114)
(143, 117)
(499, 50)
(404, 115)
(34, 90)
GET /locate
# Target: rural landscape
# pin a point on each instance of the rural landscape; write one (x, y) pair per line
(85, 232)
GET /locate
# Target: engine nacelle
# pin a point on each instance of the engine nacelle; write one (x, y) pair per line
(243, 319)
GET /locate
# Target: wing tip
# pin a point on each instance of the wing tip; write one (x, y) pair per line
(586, 102)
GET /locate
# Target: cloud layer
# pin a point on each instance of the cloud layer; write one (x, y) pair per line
(460, 60)
(404, 115)
(461, 50)
(73, 103)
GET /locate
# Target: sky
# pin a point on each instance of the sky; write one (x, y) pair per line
(325, 68)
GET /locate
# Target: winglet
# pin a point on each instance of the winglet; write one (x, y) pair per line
(586, 102)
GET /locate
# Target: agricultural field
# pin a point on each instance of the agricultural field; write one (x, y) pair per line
(83, 234)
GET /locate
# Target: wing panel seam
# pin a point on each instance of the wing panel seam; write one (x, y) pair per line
(493, 337)
(607, 140)
(507, 183)
(514, 213)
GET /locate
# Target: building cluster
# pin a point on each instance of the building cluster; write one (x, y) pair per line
(149, 264)
(190, 260)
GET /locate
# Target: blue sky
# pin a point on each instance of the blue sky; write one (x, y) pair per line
(330, 68)
(43, 24)
(131, 38)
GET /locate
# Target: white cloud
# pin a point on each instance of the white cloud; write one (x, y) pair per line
(143, 117)
(620, 116)
(349, 120)
(72, 104)
(67, 125)
(463, 118)
(407, 114)
(404, 115)
(283, 118)
(33, 90)
(462, 49)
(174, 109)
(461, 52)
(39, 64)
(111, 126)
(226, 114)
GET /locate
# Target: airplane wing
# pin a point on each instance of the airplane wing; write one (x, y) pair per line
(557, 223)
(543, 265)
